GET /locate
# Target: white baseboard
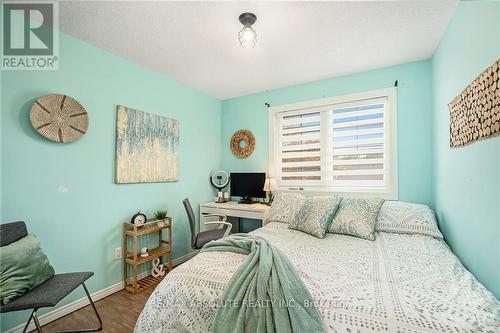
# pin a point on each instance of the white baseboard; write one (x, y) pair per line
(82, 302)
(186, 257)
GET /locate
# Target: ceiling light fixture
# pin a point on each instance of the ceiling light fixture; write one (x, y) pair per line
(247, 36)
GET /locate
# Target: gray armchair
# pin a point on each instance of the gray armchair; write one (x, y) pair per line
(50, 292)
(198, 240)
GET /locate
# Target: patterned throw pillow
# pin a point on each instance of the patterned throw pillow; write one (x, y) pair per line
(315, 216)
(407, 218)
(284, 207)
(357, 217)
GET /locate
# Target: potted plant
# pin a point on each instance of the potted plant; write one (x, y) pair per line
(160, 216)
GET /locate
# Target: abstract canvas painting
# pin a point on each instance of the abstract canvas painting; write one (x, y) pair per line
(147, 147)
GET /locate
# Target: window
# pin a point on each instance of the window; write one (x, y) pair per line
(342, 144)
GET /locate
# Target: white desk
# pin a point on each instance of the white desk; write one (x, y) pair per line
(233, 209)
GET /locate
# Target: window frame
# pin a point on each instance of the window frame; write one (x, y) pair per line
(390, 191)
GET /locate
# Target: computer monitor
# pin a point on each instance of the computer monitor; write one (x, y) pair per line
(248, 185)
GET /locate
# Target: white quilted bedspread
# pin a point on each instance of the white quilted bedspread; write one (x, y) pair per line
(397, 283)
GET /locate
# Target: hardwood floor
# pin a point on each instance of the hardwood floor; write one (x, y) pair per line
(119, 312)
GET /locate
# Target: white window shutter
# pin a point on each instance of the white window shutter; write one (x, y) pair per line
(299, 149)
(359, 144)
(342, 144)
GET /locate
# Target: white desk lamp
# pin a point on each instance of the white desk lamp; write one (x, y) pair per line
(269, 187)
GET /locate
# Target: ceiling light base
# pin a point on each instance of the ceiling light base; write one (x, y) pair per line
(247, 18)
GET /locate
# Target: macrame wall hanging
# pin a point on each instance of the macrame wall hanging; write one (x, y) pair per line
(242, 143)
(475, 113)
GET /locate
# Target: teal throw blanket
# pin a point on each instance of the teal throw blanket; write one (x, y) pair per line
(265, 294)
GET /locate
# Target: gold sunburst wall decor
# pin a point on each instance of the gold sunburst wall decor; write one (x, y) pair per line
(59, 118)
(242, 143)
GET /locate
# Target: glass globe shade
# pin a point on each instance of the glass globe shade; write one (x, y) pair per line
(247, 37)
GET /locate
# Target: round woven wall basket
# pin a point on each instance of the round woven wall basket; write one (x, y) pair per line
(243, 143)
(59, 118)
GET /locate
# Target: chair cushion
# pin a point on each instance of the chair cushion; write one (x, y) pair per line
(206, 236)
(23, 267)
(49, 293)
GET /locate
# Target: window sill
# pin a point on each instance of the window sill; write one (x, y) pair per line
(352, 192)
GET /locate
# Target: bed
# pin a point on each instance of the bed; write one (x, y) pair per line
(397, 283)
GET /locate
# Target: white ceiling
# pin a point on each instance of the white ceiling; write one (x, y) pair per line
(196, 42)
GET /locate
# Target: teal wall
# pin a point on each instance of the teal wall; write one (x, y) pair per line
(414, 121)
(79, 229)
(467, 179)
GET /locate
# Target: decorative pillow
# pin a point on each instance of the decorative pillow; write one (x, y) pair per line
(23, 267)
(285, 206)
(407, 218)
(357, 217)
(316, 215)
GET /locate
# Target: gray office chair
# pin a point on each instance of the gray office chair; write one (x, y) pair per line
(203, 237)
(50, 292)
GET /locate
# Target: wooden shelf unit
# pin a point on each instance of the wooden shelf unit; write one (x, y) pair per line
(132, 259)
(147, 282)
